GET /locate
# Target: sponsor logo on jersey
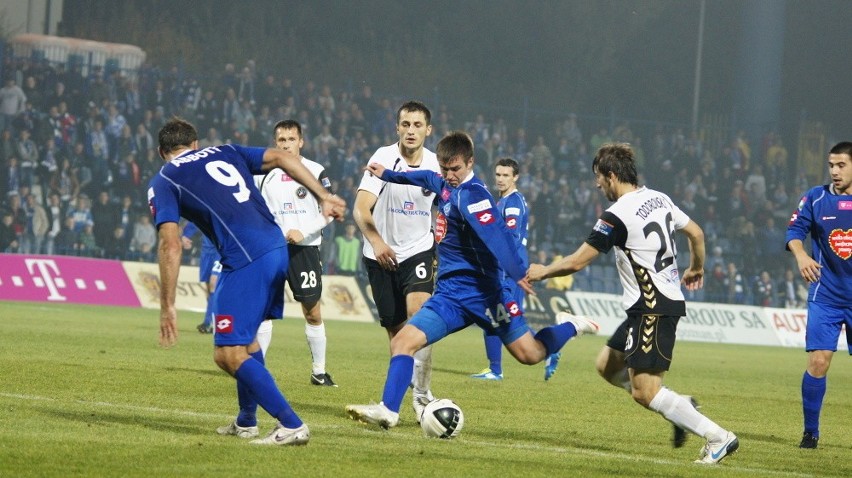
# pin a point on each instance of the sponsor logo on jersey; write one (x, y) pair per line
(224, 324)
(285, 177)
(440, 227)
(513, 308)
(445, 194)
(151, 203)
(408, 206)
(802, 203)
(512, 211)
(479, 206)
(425, 192)
(844, 205)
(512, 222)
(301, 192)
(603, 227)
(793, 217)
(288, 206)
(841, 243)
(485, 217)
(326, 182)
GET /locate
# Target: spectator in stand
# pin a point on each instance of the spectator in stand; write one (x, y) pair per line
(734, 285)
(348, 251)
(716, 291)
(105, 217)
(36, 226)
(12, 101)
(28, 156)
(764, 290)
(116, 245)
(86, 244)
(9, 241)
(66, 240)
(143, 243)
(81, 213)
(55, 213)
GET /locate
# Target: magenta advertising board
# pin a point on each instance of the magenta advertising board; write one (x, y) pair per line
(73, 280)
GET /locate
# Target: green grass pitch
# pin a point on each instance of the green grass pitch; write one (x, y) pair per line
(86, 391)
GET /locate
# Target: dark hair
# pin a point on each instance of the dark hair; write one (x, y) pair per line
(616, 158)
(288, 124)
(177, 132)
(509, 162)
(455, 143)
(413, 106)
(844, 147)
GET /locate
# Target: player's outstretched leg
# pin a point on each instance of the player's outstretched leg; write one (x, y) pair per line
(386, 413)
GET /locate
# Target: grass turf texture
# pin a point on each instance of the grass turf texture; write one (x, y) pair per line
(86, 391)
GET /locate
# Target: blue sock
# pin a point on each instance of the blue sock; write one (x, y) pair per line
(813, 391)
(554, 337)
(260, 384)
(248, 405)
(494, 352)
(399, 376)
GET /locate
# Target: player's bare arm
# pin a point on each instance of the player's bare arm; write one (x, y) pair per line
(169, 257)
(808, 267)
(693, 277)
(582, 257)
(364, 203)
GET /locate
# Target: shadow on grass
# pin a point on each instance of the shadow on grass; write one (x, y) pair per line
(154, 423)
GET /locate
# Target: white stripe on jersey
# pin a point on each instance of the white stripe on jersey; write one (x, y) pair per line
(403, 213)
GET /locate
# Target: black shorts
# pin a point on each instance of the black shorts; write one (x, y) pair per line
(415, 274)
(647, 341)
(304, 274)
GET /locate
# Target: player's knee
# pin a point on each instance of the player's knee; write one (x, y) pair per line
(641, 397)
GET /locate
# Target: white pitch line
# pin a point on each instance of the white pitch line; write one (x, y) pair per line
(484, 444)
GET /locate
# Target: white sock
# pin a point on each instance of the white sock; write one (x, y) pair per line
(264, 336)
(317, 342)
(422, 377)
(679, 410)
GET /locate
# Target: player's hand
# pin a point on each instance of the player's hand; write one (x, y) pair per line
(168, 327)
(693, 279)
(333, 206)
(526, 286)
(385, 256)
(186, 242)
(535, 273)
(376, 169)
(809, 268)
(294, 236)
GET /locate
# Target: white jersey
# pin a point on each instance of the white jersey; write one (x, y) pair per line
(640, 225)
(403, 213)
(293, 205)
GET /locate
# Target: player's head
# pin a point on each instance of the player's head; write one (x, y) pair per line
(506, 175)
(614, 162)
(176, 134)
(840, 167)
(455, 157)
(413, 125)
(288, 136)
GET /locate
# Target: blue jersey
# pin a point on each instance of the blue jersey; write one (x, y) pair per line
(827, 217)
(472, 235)
(513, 209)
(214, 189)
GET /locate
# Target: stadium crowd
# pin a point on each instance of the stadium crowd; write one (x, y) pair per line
(77, 153)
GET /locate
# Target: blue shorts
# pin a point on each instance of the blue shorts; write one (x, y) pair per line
(823, 329)
(208, 265)
(244, 298)
(463, 300)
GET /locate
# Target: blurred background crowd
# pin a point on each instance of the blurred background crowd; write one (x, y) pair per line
(77, 152)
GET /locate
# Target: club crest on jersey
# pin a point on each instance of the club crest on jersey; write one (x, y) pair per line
(603, 227)
(301, 192)
(288, 206)
(485, 217)
(446, 208)
(408, 206)
(224, 324)
(841, 243)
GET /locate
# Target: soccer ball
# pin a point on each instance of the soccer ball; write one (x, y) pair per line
(442, 418)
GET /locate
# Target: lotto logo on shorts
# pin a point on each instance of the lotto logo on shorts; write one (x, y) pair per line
(513, 309)
(485, 217)
(224, 324)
